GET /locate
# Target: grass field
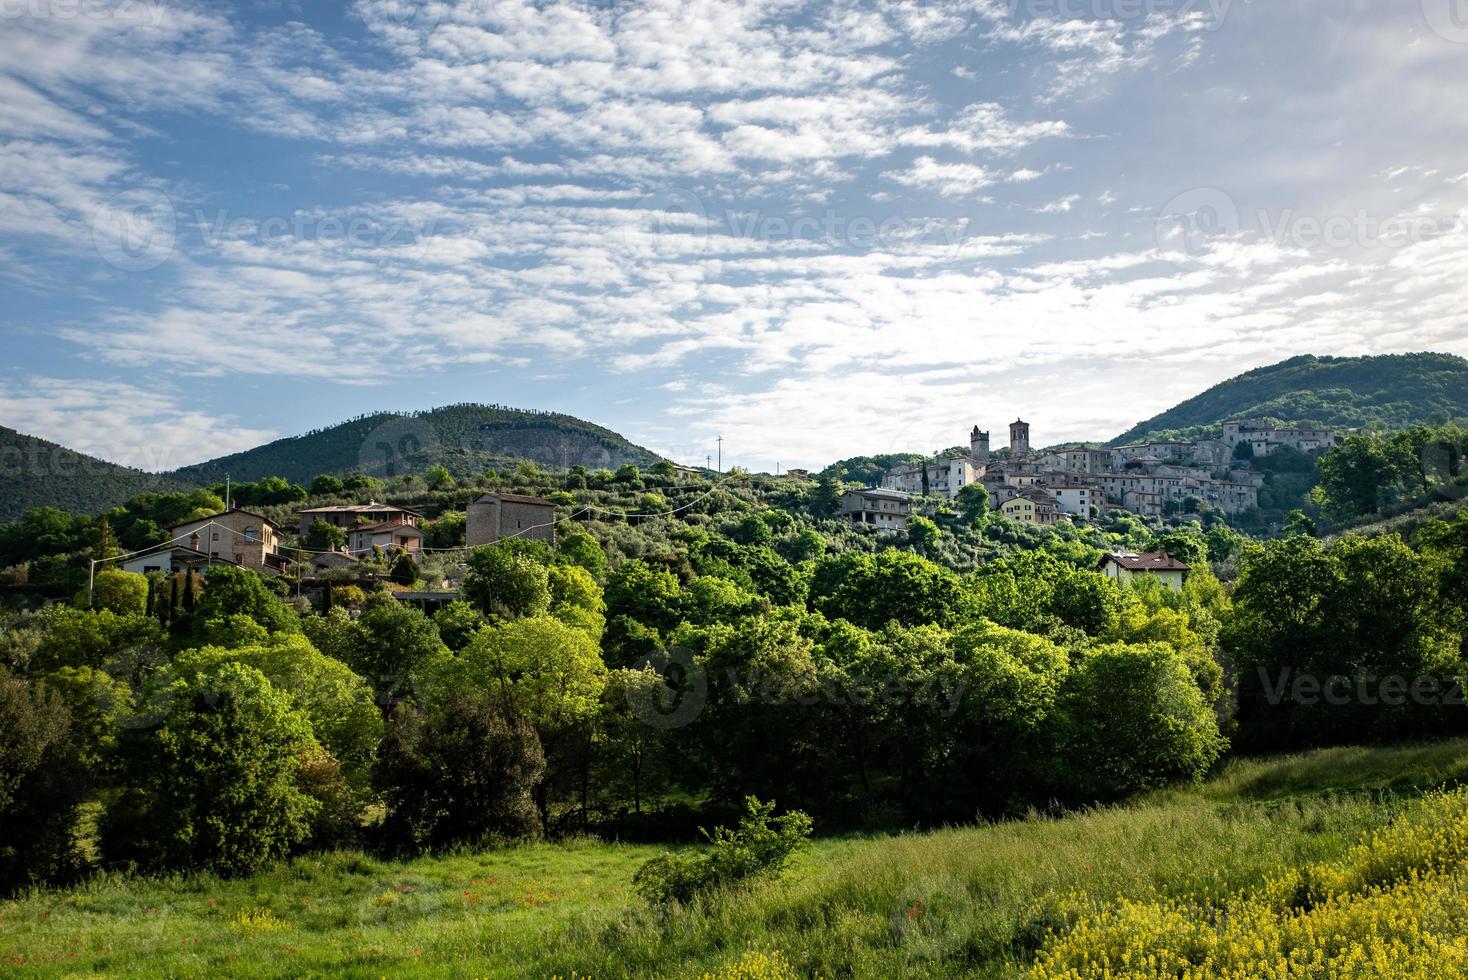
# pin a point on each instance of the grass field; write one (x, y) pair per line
(958, 902)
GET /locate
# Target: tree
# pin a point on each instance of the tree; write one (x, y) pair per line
(229, 590)
(753, 530)
(438, 477)
(41, 785)
(547, 671)
(808, 545)
(826, 500)
(458, 773)
(924, 534)
(447, 531)
(324, 536)
(1130, 719)
(404, 570)
(580, 548)
(647, 594)
(506, 582)
(1298, 522)
(125, 593)
(326, 485)
(397, 643)
(629, 475)
(214, 785)
(973, 503)
(872, 591)
(457, 623)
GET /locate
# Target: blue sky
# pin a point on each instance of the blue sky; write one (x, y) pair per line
(816, 228)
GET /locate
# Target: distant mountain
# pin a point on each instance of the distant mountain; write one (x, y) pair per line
(1389, 391)
(464, 438)
(37, 473)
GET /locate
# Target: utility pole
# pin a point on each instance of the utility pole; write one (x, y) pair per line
(226, 493)
(708, 461)
(721, 454)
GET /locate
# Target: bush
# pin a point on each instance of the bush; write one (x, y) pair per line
(215, 785)
(41, 785)
(462, 772)
(759, 848)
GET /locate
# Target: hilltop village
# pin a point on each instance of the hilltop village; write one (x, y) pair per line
(1084, 483)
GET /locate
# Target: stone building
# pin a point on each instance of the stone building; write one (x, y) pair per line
(1019, 438)
(945, 477)
(240, 536)
(880, 507)
(349, 516)
(509, 515)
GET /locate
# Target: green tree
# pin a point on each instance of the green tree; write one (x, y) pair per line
(825, 501)
(232, 591)
(924, 534)
(457, 623)
(580, 548)
(1130, 719)
(41, 785)
(327, 485)
(397, 643)
(973, 503)
(460, 772)
(438, 477)
(324, 536)
(125, 593)
(404, 570)
(505, 582)
(214, 785)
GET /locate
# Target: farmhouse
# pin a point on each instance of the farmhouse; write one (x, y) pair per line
(509, 515)
(877, 507)
(240, 536)
(1124, 566)
(349, 516)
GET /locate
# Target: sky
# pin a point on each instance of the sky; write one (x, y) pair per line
(818, 228)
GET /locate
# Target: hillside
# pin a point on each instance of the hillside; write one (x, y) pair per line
(464, 438)
(967, 901)
(36, 473)
(1389, 391)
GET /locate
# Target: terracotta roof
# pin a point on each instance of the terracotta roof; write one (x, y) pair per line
(385, 526)
(1146, 561)
(232, 510)
(359, 509)
(515, 498)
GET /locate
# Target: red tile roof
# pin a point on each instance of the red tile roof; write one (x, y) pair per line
(1146, 561)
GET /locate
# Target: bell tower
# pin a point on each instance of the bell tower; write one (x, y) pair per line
(1019, 438)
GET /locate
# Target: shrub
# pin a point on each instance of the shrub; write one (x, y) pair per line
(758, 848)
(461, 772)
(41, 785)
(215, 784)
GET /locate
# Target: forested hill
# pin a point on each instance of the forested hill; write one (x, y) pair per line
(1389, 391)
(38, 473)
(464, 438)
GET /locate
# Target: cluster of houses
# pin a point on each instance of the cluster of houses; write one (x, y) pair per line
(1086, 482)
(250, 540)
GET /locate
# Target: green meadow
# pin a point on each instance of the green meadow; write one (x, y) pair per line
(969, 901)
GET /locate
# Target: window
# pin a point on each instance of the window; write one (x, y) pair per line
(214, 536)
(252, 533)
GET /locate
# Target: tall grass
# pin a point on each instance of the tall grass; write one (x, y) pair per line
(977, 901)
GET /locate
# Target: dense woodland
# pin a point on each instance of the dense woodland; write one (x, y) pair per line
(683, 646)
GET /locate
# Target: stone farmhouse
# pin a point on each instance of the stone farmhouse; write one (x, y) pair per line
(235, 537)
(509, 515)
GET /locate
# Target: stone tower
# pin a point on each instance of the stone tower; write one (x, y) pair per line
(978, 443)
(1019, 438)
